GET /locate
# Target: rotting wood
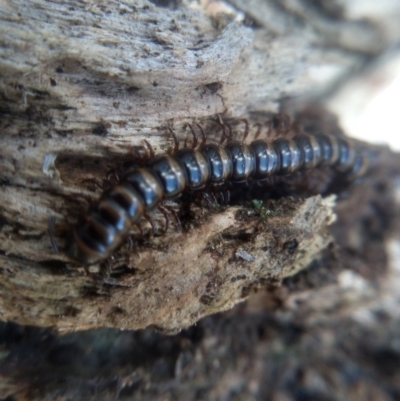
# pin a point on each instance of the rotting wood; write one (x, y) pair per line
(83, 83)
(175, 279)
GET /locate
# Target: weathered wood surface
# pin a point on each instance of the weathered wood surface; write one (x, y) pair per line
(84, 82)
(81, 83)
(331, 332)
(172, 284)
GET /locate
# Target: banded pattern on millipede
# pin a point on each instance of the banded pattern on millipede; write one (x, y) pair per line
(196, 168)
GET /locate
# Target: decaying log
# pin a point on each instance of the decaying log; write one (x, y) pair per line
(172, 284)
(330, 332)
(82, 85)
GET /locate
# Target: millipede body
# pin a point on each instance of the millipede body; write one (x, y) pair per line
(199, 168)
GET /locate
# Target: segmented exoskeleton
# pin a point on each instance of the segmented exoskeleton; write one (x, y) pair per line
(196, 168)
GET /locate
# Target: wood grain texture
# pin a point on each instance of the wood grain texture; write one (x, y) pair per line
(175, 279)
(82, 83)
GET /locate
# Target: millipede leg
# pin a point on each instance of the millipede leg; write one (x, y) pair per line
(203, 135)
(258, 132)
(230, 134)
(139, 226)
(223, 137)
(225, 197)
(164, 211)
(176, 217)
(270, 129)
(130, 243)
(214, 198)
(150, 148)
(261, 182)
(195, 138)
(150, 220)
(132, 249)
(207, 198)
(228, 196)
(175, 139)
(246, 130)
(112, 174)
(141, 158)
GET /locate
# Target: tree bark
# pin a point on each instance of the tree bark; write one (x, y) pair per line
(83, 84)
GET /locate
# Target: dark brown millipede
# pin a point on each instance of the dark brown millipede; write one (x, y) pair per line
(197, 168)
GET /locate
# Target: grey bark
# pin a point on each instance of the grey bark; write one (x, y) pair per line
(83, 84)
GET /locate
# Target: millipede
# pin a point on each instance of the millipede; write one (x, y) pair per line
(196, 169)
